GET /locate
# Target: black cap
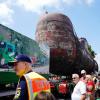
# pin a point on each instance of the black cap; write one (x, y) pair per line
(21, 57)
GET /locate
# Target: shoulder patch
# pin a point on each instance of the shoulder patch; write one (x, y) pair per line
(17, 94)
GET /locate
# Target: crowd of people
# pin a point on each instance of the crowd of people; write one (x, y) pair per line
(87, 87)
(33, 86)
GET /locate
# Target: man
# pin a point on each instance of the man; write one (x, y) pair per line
(83, 75)
(79, 92)
(30, 83)
(97, 87)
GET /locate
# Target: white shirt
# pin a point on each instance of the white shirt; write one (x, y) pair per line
(79, 89)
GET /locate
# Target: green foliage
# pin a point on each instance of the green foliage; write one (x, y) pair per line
(91, 51)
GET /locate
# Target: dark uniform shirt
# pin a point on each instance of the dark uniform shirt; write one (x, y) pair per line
(21, 91)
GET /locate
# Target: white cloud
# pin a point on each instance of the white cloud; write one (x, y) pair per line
(97, 58)
(89, 2)
(5, 13)
(73, 2)
(37, 5)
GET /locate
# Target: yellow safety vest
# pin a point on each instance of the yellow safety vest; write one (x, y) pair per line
(36, 83)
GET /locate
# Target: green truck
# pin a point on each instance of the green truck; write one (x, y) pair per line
(13, 43)
(7, 52)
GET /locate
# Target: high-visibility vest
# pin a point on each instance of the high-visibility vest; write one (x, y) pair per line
(36, 83)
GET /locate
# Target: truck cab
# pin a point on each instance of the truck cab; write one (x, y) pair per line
(7, 52)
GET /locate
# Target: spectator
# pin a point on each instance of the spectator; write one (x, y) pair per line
(63, 88)
(83, 75)
(79, 92)
(90, 87)
(97, 87)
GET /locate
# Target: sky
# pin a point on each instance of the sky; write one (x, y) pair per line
(23, 16)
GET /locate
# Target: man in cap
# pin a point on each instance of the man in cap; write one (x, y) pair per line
(30, 83)
(83, 71)
(83, 75)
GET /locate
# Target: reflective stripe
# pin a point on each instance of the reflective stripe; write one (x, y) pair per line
(36, 83)
(30, 89)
